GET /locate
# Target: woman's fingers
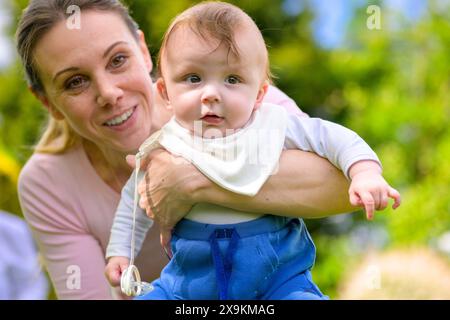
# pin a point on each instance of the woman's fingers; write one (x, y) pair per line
(165, 192)
(144, 194)
(165, 237)
(143, 201)
(131, 161)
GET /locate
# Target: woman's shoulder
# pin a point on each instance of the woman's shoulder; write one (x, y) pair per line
(49, 190)
(278, 97)
(62, 189)
(45, 177)
(44, 166)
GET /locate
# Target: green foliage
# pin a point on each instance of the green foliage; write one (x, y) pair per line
(334, 257)
(389, 85)
(21, 118)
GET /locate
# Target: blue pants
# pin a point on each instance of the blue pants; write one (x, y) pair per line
(266, 258)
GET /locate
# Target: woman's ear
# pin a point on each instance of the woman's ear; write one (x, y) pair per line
(261, 94)
(162, 90)
(144, 51)
(47, 104)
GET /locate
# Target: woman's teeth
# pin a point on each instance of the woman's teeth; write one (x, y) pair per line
(120, 119)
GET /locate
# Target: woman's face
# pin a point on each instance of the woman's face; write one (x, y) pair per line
(97, 78)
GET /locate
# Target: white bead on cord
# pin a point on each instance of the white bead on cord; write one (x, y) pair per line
(130, 281)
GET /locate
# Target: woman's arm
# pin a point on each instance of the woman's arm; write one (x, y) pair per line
(305, 185)
(278, 97)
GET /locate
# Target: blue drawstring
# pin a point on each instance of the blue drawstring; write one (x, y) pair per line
(223, 266)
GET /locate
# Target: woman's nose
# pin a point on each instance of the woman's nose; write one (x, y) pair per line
(210, 94)
(109, 93)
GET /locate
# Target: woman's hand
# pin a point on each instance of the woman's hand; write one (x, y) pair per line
(168, 191)
(306, 186)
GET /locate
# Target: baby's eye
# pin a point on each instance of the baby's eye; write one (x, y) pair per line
(232, 80)
(193, 78)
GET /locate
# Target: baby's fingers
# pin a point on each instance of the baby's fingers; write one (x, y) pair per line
(369, 204)
(113, 274)
(383, 203)
(355, 200)
(394, 194)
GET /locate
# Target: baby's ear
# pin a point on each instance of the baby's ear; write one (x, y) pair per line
(261, 94)
(162, 90)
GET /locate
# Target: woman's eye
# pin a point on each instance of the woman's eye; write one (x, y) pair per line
(193, 78)
(118, 61)
(75, 82)
(232, 80)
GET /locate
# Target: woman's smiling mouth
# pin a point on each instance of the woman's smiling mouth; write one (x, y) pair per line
(120, 119)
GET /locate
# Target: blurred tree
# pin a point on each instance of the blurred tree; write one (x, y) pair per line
(389, 85)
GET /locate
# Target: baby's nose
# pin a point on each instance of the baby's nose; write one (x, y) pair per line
(210, 94)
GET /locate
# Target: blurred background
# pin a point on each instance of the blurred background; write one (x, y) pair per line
(381, 68)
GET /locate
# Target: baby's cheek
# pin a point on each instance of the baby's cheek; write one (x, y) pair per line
(185, 114)
(241, 116)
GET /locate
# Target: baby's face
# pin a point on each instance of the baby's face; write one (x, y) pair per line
(212, 92)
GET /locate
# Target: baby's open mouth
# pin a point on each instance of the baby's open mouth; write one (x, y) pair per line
(212, 119)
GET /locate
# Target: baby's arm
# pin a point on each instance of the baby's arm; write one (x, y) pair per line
(350, 153)
(119, 247)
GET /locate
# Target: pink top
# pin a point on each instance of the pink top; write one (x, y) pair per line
(70, 210)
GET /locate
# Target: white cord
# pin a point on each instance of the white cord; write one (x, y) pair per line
(130, 281)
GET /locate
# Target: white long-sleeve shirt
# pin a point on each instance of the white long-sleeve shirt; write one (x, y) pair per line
(275, 130)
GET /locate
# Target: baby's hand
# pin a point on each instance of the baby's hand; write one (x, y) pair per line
(114, 269)
(369, 189)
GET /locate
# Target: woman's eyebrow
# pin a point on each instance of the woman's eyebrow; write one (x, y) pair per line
(63, 71)
(107, 51)
(112, 47)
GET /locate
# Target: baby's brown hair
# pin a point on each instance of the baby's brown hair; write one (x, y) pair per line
(219, 20)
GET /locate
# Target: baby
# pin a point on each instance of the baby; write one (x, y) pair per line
(214, 71)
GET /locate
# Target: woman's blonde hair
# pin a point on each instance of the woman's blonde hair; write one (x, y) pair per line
(36, 20)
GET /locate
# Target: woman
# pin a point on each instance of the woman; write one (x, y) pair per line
(95, 83)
